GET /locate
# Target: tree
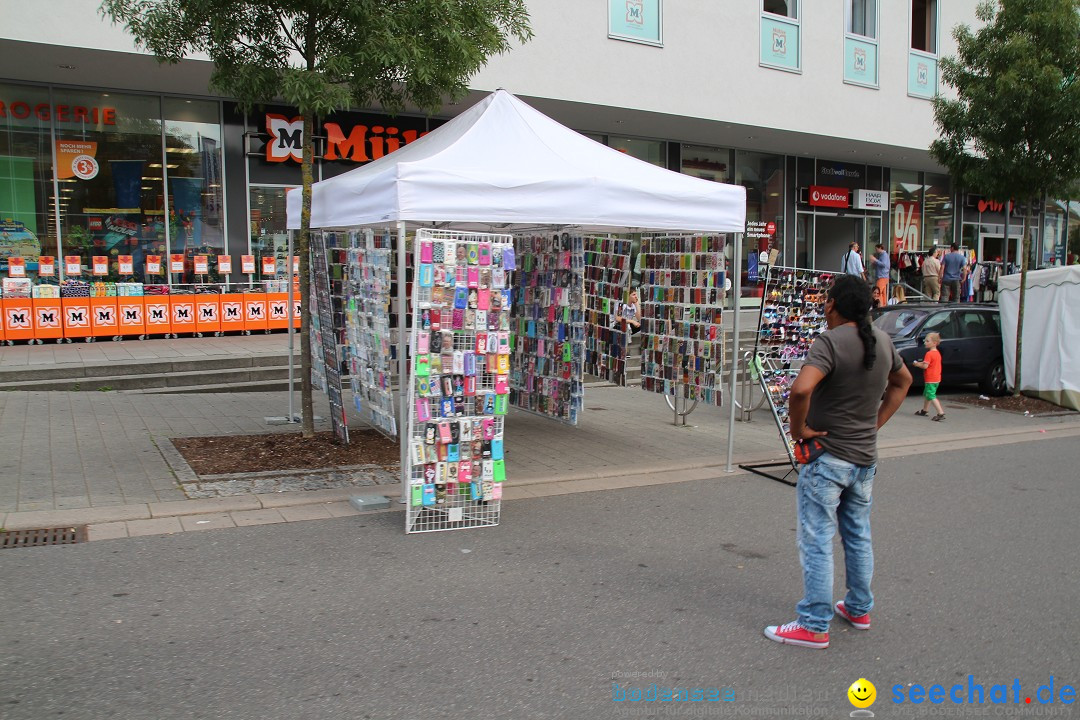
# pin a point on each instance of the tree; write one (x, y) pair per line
(322, 55)
(1013, 130)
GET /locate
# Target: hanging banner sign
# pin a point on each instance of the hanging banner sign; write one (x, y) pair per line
(101, 264)
(247, 264)
(127, 265)
(202, 264)
(153, 264)
(16, 267)
(76, 158)
(72, 265)
(176, 263)
(224, 264)
(46, 266)
(906, 222)
(871, 200)
(269, 266)
(295, 264)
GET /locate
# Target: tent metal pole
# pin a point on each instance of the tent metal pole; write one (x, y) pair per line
(403, 365)
(736, 291)
(292, 333)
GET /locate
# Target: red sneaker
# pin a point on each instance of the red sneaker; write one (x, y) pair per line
(795, 634)
(861, 622)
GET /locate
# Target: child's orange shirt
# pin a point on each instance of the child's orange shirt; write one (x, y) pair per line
(932, 373)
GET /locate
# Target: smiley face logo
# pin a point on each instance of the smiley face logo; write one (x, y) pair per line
(862, 693)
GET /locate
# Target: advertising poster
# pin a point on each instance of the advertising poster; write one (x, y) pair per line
(224, 264)
(46, 266)
(153, 264)
(636, 21)
(247, 264)
(780, 44)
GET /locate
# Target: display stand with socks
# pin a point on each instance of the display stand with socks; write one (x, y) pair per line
(548, 326)
(681, 317)
(607, 280)
(458, 394)
(792, 316)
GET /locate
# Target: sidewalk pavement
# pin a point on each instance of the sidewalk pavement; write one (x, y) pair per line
(32, 356)
(99, 457)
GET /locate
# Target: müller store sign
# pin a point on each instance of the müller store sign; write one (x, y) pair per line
(351, 138)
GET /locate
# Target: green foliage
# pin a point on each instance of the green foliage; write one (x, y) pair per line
(1013, 130)
(322, 55)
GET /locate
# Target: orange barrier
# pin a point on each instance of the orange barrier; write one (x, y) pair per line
(232, 312)
(157, 314)
(182, 315)
(18, 319)
(103, 318)
(77, 323)
(297, 315)
(48, 319)
(3, 336)
(255, 311)
(131, 312)
(208, 313)
(277, 311)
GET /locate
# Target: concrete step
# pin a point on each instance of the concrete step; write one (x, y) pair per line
(233, 387)
(79, 371)
(228, 376)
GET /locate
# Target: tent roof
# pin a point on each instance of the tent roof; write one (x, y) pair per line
(1064, 275)
(503, 163)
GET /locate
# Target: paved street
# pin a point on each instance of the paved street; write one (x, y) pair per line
(348, 618)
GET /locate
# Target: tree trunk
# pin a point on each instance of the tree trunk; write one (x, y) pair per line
(302, 244)
(1025, 250)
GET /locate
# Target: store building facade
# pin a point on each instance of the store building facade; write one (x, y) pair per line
(820, 110)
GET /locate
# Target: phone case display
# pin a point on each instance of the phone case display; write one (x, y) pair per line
(368, 331)
(682, 321)
(792, 316)
(792, 312)
(548, 325)
(459, 390)
(325, 330)
(607, 279)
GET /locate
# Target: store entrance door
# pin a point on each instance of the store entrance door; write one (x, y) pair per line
(832, 235)
(992, 248)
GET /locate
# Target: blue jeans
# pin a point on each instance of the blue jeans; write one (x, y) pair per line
(831, 490)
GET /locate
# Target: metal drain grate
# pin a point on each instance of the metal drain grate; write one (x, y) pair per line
(42, 536)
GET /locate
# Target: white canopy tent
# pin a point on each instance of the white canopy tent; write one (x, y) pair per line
(503, 165)
(1051, 368)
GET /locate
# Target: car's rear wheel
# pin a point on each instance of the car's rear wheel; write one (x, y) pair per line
(994, 382)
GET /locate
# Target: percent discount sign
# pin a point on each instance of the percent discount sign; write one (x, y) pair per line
(906, 222)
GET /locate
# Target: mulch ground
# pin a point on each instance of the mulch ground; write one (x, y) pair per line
(1018, 404)
(285, 451)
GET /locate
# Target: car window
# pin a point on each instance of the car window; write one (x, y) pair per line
(898, 323)
(993, 323)
(941, 323)
(973, 324)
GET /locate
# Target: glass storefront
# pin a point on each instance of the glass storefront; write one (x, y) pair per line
(269, 233)
(651, 151)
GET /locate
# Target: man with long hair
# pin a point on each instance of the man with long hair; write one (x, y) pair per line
(851, 384)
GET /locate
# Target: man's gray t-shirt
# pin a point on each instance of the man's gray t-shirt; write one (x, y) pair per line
(845, 403)
(953, 263)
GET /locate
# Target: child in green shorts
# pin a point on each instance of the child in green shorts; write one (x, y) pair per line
(931, 367)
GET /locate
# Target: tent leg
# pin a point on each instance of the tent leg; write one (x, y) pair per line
(403, 363)
(736, 291)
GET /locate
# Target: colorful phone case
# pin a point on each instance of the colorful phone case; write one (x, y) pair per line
(425, 251)
(437, 252)
(497, 449)
(423, 342)
(470, 363)
(452, 454)
(496, 491)
(474, 278)
(483, 299)
(470, 385)
(509, 260)
(459, 362)
(446, 408)
(498, 469)
(481, 343)
(474, 490)
(461, 297)
(485, 254)
(473, 253)
(423, 365)
(429, 494)
(488, 428)
(423, 410)
(458, 319)
(502, 386)
(444, 433)
(423, 387)
(481, 318)
(502, 404)
(427, 276)
(465, 471)
(450, 252)
(498, 278)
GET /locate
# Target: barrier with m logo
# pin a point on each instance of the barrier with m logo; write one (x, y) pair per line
(18, 319)
(130, 312)
(231, 312)
(182, 313)
(208, 314)
(48, 319)
(77, 323)
(103, 316)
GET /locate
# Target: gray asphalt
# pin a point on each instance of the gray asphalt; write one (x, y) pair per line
(349, 618)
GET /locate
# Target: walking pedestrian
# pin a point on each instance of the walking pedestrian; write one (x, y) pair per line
(881, 264)
(931, 367)
(852, 383)
(852, 264)
(931, 275)
(954, 268)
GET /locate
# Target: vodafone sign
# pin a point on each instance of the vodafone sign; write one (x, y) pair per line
(822, 196)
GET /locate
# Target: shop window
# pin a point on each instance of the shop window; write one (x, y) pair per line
(905, 210)
(862, 18)
(786, 8)
(651, 151)
(937, 210)
(269, 233)
(116, 204)
(762, 175)
(27, 198)
(194, 179)
(924, 26)
(706, 163)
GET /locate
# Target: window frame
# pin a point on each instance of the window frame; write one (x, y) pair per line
(796, 22)
(849, 35)
(937, 29)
